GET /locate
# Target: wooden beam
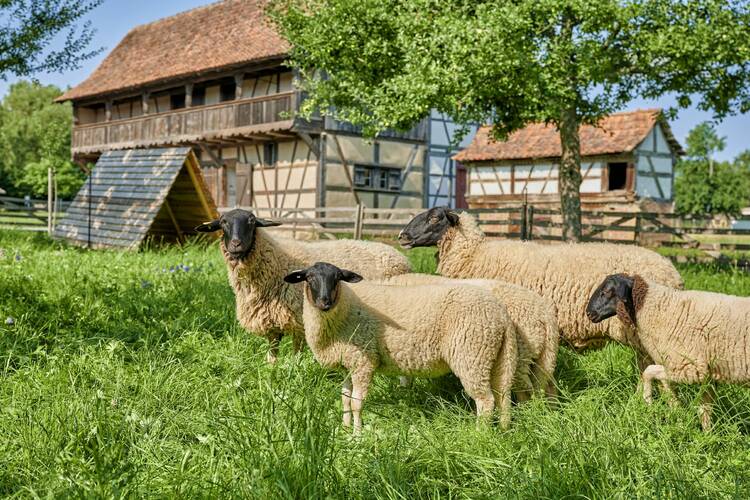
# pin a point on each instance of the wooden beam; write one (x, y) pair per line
(239, 79)
(180, 236)
(108, 111)
(197, 184)
(189, 95)
(311, 143)
(144, 102)
(215, 159)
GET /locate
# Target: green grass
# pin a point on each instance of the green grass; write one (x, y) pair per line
(121, 378)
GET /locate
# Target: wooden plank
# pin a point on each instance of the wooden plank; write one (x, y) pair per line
(345, 166)
(180, 236)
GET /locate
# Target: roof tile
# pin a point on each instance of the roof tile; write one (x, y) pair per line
(616, 133)
(216, 36)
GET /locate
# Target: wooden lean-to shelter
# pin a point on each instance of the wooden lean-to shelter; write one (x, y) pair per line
(137, 195)
(627, 161)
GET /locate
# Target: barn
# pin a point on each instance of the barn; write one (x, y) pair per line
(627, 161)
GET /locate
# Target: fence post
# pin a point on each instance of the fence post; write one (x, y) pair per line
(524, 210)
(358, 221)
(529, 221)
(637, 230)
(50, 204)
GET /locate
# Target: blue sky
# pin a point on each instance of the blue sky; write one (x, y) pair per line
(115, 18)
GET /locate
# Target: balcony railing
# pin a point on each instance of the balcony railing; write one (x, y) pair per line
(233, 118)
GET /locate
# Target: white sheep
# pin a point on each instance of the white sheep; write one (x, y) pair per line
(258, 261)
(424, 331)
(691, 336)
(565, 274)
(536, 327)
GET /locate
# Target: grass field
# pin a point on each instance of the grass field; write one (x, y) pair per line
(125, 374)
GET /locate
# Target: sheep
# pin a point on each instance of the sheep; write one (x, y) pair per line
(536, 326)
(257, 262)
(565, 274)
(427, 331)
(691, 336)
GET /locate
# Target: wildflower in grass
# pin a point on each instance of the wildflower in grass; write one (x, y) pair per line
(19, 257)
(10, 321)
(146, 284)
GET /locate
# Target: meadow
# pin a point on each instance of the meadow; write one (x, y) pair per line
(125, 374)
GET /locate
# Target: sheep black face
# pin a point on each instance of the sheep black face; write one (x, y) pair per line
(322, 281)
(427, 228)
(239, 231)
(613, 297)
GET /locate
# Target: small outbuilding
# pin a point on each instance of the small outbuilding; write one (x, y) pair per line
(133, 196)
(626, 159)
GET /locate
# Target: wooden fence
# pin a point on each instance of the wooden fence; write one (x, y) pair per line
(522, 222)
(29, 215)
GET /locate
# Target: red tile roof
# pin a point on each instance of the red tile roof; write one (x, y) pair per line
(209, 38)
(616, 133)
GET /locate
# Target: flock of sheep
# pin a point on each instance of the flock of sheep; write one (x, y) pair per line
(494, 317)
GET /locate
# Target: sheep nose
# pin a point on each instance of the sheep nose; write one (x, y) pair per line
(234, 243)
(324, 305)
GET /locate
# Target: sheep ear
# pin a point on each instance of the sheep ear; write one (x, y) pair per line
(266, 223)
(350, 277)
(452, 217)
(296, 276)
(625, 307)
(209, 227)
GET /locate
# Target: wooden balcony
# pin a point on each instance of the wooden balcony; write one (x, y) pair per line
(240, 119)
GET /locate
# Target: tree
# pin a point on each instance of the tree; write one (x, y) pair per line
(706, 187)
(29, 27)
(35, 135)
(386, 63)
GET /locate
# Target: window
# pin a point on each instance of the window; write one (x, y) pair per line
(270, 154)
(377, 178)
(228, 91)
(199, 96)
(177, 101)
(617, 175)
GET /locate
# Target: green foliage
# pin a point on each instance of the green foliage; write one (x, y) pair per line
(35, 135)
(386, 63)
(30, 26)
(706, 187)
(121, 378)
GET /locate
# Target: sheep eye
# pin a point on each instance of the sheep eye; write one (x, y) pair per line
(433, 220)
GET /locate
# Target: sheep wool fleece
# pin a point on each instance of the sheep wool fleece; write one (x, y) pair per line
(267, 306)
(566, 274)
(534, 318)
(695, 335)
(424, 331)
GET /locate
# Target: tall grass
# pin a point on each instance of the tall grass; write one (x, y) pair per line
(124, 375)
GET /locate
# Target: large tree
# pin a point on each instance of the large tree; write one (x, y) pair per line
(29, 27)
(386, 63)
(34, 136)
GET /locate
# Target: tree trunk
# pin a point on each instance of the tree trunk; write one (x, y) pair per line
(570, 175)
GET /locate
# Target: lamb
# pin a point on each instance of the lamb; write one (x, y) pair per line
(257, 262)
(536, 326)
(692, 336)
(565, 274)
(426, 331)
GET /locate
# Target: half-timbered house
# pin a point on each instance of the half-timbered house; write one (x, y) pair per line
(213, 79)
(626, 159)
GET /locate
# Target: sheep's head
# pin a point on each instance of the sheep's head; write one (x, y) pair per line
(322, 281)
(239, 231)
(613, 297)
(428, 228)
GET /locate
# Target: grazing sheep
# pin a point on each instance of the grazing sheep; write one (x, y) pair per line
(692, 337)
(425, 331)
(257, 262)
(536, 326)
(565, 274)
